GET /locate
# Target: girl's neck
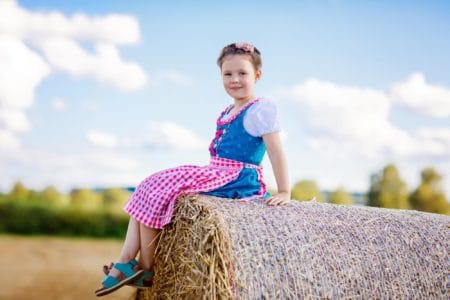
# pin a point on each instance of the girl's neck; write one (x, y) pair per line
(238, 103)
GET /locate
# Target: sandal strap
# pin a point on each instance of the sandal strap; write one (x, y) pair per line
(133, 262)
(109, 281)
(127, 268)
(106, 268)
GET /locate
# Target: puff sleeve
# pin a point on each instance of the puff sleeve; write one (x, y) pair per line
(262, 118)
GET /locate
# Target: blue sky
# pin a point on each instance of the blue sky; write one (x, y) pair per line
(104, 93)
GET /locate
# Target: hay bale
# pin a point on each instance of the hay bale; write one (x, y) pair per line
(222, 249)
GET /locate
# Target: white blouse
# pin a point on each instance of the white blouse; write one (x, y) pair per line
(261, 118)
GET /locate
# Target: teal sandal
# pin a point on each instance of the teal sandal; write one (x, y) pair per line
(143, 281)
(110, 283)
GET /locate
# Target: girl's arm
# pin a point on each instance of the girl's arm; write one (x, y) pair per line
(279, 167)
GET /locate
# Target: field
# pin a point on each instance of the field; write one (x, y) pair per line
(55, 268)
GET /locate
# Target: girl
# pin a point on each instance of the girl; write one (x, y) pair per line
(245, 130)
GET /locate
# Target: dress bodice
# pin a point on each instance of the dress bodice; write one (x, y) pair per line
(232, 141)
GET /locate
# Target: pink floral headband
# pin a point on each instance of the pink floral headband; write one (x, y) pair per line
(245, 46)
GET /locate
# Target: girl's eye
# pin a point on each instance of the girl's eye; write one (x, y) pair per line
(227, 74)
(242, 73)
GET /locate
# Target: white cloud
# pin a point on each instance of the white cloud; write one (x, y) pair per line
(123, 165)
(344, 124)
(111, 161)
(422, 97)
(354, 119)
(101, 139)
(94, 168)
(113, 28)
(59, 38)
(436, 140)
(20, 73)
(172, 135)
(26, 38)
(351, 118)
(161, 135)
(59, 104)
(8, 142)
(105, 65)
(14, 120)
(166, 135)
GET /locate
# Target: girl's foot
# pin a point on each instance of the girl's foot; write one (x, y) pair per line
(143, 281)
(126, 273)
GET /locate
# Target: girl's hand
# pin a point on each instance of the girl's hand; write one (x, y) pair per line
(279, 199)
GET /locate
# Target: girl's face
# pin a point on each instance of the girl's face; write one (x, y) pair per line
(239, 77)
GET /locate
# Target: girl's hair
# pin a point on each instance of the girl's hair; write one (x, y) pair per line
(243, 49)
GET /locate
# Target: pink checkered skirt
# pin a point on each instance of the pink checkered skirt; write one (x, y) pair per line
(153, 202)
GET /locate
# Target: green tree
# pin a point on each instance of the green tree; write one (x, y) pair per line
(51, 195)
(388, 190)
(429, 195)
(19, 192)
(340, 196)
(85, 198)
(305, 190)
(115, 198)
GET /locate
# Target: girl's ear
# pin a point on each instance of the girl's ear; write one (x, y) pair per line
(258, 75)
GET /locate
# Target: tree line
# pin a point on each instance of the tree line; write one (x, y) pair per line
(111, 199)
(387, 190)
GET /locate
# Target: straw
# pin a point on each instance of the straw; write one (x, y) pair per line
(224, 249)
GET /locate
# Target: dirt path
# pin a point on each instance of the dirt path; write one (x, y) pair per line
(55, 268)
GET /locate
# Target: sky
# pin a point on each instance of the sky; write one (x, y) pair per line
(105, 93)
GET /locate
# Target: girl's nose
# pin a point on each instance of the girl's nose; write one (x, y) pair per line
(235, 79)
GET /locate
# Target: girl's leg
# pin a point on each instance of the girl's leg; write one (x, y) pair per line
(130, 247)
(149, 240)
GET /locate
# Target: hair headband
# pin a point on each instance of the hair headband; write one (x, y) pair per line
(245, 46)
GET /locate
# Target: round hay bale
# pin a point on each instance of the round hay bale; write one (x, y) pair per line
(223, 249)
